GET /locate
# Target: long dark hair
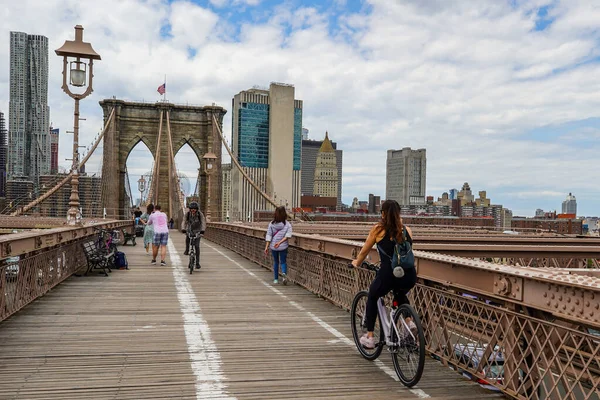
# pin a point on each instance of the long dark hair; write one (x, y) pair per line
(149, 208)
(280, 215)
(391, 220)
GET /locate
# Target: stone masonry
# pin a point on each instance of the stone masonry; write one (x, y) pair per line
(135, 122)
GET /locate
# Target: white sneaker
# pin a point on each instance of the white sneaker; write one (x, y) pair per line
(367, 342)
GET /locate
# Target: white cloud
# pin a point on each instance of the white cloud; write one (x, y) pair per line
(465, 80)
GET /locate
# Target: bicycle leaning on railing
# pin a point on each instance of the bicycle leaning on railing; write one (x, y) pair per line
(405, 341)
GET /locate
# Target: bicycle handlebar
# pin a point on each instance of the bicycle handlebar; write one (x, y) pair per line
(366, 265)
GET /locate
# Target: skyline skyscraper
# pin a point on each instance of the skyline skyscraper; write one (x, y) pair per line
(54, 136)
(310, 151)
(267, 139)
(28, 134)
(569, 206)
(406, 176)
(326, 174)
(3, 148)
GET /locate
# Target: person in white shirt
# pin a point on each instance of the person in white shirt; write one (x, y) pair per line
(159, 220)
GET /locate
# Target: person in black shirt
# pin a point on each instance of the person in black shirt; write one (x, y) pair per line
(389, 231)
(194, 223)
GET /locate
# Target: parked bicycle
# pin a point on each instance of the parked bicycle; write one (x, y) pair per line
(405, 341)
(106, 243)
(193, 262)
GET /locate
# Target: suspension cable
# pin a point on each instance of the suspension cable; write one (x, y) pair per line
(68, 177)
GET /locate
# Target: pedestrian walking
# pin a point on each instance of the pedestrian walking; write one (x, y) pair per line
(148, 229)
(161, 234)
(278, 233)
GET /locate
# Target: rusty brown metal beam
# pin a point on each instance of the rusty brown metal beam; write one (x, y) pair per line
(22, 243)
(569, 296)
(542, 345)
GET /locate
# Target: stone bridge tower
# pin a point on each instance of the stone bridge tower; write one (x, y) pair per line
(135, 122)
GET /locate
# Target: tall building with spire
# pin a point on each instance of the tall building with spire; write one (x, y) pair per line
(29, 115)
(326, 173)
(310, 152)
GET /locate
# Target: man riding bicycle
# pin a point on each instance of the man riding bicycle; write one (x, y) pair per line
(195, 225)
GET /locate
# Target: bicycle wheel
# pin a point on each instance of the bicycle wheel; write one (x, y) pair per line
(191, 263)
(409, 354)
(359, 328)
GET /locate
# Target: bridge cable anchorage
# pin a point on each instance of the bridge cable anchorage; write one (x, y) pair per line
(68, 177)
(241, 169)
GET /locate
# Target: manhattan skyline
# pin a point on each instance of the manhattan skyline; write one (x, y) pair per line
(503, 95)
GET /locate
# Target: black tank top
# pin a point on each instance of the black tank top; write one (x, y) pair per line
(387, 245)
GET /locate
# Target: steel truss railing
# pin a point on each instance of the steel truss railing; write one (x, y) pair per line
(540, 324)
(32, 263)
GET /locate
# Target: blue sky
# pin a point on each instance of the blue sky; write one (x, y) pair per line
(504, 95)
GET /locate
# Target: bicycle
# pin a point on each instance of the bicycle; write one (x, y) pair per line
(406, 344)
(193, 239)
(105, 246)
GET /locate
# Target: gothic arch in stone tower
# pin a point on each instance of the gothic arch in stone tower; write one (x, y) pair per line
(135, 122)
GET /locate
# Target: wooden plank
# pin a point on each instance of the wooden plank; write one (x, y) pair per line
(124, 337)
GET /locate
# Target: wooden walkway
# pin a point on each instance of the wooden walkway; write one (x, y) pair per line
(224, 333)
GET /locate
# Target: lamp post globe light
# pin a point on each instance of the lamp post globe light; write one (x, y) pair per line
(78, 63)
(142, 188)
(209, 166)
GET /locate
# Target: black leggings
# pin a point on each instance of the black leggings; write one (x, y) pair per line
(384, 282)
(196, 246)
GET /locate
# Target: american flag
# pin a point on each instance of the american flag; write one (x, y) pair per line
(162, 88)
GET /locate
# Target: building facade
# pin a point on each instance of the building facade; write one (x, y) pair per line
(28, 138)
(374, 204)
(406, 176)
(569, 206)
(310, 151)
(267, 141)
(57, 204)
(3, 149)
(326, 174)
(226, 196)
(54, 134)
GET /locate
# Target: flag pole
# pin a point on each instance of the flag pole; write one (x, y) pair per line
(165, 94)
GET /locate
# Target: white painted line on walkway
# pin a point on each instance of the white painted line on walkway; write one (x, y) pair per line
(206, 360)
(418, 392)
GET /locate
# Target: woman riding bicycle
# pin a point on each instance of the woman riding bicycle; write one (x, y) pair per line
(387, 231)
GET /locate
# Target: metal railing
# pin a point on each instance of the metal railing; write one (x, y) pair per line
(32, 263)
(532, 334)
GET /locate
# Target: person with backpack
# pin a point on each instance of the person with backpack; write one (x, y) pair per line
(387, 234)
(278, 233)
(195, 223)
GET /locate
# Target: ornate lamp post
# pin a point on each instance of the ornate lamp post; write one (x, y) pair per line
(79, 56)
(209, 166)
(141, 188)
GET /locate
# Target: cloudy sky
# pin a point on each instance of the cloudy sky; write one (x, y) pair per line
(503, 94)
